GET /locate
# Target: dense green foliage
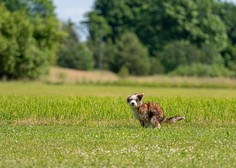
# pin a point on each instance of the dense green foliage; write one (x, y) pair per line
(197, 31)
(227, 13)
(128, 53)
(202, 70)
(29, 36)
(73, 53)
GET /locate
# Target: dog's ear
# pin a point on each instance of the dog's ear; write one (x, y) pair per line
(140, 96)
(127, 99)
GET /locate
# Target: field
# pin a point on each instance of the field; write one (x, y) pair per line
(45, 125)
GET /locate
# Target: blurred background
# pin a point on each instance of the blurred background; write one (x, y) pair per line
(111, 39)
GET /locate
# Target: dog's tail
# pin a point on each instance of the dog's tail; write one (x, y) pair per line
(172, 120)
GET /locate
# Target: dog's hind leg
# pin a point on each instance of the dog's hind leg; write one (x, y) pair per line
(155, 123)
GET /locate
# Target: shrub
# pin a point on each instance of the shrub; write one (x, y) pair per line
(156, 67)
(130, 53)
(124, 72)
(202, 70)
(179, 53)
(77, 56)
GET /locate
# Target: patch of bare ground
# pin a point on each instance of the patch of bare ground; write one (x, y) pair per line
(161, 80)
(65, 75)
(71, 76)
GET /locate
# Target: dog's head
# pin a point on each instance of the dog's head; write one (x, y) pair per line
(135, 100)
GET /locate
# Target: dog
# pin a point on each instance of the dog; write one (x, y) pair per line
(149, 114)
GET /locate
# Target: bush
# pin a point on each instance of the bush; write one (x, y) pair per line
(179, 53)
(155, 66)
(202, 70)
(132, 54)
(77, 56)
(124, 72)
(229, 55)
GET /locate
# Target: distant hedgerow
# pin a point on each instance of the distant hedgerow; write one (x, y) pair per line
(202, 70)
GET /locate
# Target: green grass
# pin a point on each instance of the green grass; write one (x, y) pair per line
(39, 89)
(117, 146)
(92, 126)
(75, 109)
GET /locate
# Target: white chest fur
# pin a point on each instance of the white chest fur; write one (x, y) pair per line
(136, 114)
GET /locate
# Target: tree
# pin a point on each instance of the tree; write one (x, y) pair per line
(227, 12)
(19, 55)
(31, 35)
(157, 23)
(14, 5)
(72, 53)
(99, 30)
(43, 8)
(131, 54)
(175, 20)
(118, 16)
(46, 26)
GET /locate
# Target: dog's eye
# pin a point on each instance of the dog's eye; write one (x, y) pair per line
(128, 100)
(132, 100)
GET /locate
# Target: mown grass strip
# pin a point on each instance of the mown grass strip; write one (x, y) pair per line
(39, 89)
(119, 146)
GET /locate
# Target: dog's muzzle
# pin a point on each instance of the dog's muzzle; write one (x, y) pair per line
(133, 103)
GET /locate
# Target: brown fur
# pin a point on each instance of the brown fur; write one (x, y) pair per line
(150, 113)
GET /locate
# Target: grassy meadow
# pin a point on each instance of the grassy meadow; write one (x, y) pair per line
(88, 125)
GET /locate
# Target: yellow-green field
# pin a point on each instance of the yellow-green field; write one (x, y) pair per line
(105, 90)
(45, 125)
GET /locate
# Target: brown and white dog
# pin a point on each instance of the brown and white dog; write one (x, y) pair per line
(149, 114)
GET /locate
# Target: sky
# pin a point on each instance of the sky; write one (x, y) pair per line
(73, 9)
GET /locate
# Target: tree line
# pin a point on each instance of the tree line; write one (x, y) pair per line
(179, 37)
(182, 37)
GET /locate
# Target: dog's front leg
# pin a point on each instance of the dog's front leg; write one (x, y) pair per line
(142, 123)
